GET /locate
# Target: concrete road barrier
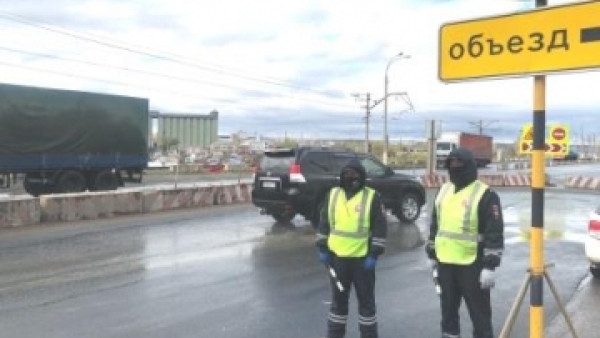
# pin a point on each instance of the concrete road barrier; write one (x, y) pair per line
(19, 212)
(87, 206)
(22, 211)
(95, 205)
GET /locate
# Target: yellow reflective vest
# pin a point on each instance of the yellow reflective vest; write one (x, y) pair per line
(349, 222)
(457, 236)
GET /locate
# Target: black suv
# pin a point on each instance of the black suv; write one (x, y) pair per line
(296, 181)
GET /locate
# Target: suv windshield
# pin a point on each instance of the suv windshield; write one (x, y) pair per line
(278, 162)
(372, 168)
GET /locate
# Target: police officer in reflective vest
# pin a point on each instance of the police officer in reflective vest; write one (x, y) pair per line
(465, 245)
(350, 237)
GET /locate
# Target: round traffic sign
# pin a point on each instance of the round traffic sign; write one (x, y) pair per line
(558, 133)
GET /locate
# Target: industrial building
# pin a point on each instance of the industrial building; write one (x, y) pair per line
(190, 130)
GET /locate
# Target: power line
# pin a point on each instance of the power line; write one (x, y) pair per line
(162, 75)
(78, 76)
(177, 59)
(120, 83)
(98, 64)
(481, 124)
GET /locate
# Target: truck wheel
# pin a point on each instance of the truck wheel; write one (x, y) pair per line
(33, 188)
(71, 181)
(105, 180)
(409, 209)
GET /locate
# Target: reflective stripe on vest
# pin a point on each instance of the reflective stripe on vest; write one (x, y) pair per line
(457, 236)
(349, 222)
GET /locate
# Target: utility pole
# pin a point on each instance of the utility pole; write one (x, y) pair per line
(386, 137)
(431, 140)
(367, 107)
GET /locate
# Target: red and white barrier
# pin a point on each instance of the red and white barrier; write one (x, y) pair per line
(581, 182)
(499, 180)
(517, 180)
(433, 181)
(492, 180)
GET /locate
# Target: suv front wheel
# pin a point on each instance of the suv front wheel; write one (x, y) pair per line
(408, 210)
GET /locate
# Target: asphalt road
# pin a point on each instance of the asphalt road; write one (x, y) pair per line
(229, 272)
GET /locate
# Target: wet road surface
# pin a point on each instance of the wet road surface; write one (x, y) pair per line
(229, 272)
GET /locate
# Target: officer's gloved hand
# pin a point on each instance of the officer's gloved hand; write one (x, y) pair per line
(370, 262)
(487, 279)
(324, 256)
(433, 263)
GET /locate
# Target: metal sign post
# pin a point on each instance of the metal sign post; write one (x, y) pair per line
(536, 309)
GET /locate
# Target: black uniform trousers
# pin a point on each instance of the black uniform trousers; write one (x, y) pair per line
(350, 272)
(462, 282)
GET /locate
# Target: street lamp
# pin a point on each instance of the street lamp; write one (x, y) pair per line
(385, 105)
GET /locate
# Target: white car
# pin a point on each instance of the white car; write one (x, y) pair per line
(592, 243)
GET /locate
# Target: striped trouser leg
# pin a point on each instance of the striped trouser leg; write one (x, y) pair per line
(449, 335)
(336, 325)
(338, 312)
(368, 326)
(364, 280)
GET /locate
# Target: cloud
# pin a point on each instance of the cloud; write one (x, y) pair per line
(239, 38)
(274, 66)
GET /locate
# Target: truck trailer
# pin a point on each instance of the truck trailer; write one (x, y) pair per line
(65, 141)
(480, 145)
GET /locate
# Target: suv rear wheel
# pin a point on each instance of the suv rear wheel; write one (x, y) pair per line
(283, 217)
(409, 208)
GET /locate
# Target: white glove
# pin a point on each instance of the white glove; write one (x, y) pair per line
(487, 279)
(433, 264)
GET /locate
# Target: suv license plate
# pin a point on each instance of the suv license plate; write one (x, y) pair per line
(269, 184)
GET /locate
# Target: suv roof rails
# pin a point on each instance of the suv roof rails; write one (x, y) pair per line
(276, 150)
(322, 147)
(301, 149)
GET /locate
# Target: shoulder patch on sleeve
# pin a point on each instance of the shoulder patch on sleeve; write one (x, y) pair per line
(496, 211)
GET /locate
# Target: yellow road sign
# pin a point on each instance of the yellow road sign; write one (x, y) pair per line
(539, 41)
(557, 140)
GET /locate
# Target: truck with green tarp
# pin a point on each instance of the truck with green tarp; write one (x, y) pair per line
(64, 141)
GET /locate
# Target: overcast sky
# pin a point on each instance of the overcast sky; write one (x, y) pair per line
(277, 67)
